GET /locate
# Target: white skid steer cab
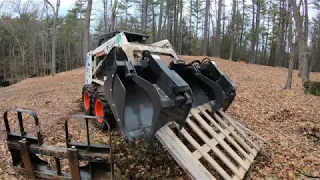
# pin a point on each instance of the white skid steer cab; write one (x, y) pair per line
(148, 92)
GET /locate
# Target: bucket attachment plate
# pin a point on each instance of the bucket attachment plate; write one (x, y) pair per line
(211, 146)
(25, 150)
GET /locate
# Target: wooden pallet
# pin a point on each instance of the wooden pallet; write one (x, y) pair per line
(211, 146)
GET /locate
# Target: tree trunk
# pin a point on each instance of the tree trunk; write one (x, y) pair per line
(86, 39)
(81, 59)
(257, 28)
(113, 15)
(305, 68)
(153, 23)
(190, 28)
(175, 24)
(242, 30)
(105, 15)
(65, 57)
(126, 20)
(34, 67)
(218, 31)
(145, 20)
(266, 42)
(69, 55)
(223, 20)
(232, 39)
(180, 27)
(168, 19)
(165, 25)
(206, 29)
(282, 22)
(195, 39)
(54, 37)
(302, 38)
(253, 41)
(160, 21)
(213, 32)
(290, 39)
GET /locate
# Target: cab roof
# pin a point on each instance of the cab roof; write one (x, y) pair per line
(131, 36)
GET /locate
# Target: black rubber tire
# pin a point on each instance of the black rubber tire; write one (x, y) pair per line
(107, 113)
(90, 89)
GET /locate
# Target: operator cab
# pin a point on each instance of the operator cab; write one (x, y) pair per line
(131, 37)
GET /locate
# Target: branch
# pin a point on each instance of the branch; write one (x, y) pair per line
(307, 175)
(300, 3)
(57, 6)
(1, 5)
(47, 1)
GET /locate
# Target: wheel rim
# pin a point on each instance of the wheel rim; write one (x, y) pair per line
(99, 110)
(86, 100)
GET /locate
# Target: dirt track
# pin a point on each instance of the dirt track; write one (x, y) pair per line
(289, 120)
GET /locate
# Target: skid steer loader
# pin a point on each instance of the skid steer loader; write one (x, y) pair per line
(128, 82)
(147, 91)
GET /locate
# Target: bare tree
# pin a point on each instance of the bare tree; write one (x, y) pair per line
(1, 4)
(232, 39)
(145, 16)
(253, 41)
(206, 29)
(160, 20)
(54, 36)
(23, 32)
(86, 36)
(114, 15)
(242, 30)
(180, 27)
(105, 14)
(291, 45)
(175, 24)
(218, 31)
(302, 37)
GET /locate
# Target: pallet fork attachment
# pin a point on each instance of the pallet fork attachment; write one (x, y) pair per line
(24, 149)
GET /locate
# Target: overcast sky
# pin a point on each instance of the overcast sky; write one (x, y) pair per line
(67, 4)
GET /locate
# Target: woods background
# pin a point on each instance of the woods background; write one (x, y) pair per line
(36, 39)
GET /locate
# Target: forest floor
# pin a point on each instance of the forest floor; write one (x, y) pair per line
(288, 119)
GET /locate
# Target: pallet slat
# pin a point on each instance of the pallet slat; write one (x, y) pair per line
(216, 150)
(215, 165)
(233, 131)
(236, 157)
(226, 134)
(240, 172)
(222, 129)
(182, 154)
(231, 121)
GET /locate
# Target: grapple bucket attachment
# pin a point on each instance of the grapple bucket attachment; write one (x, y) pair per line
(207, 82)
(144, 97)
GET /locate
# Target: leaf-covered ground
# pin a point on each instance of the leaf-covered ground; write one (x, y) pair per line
(288, 119)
